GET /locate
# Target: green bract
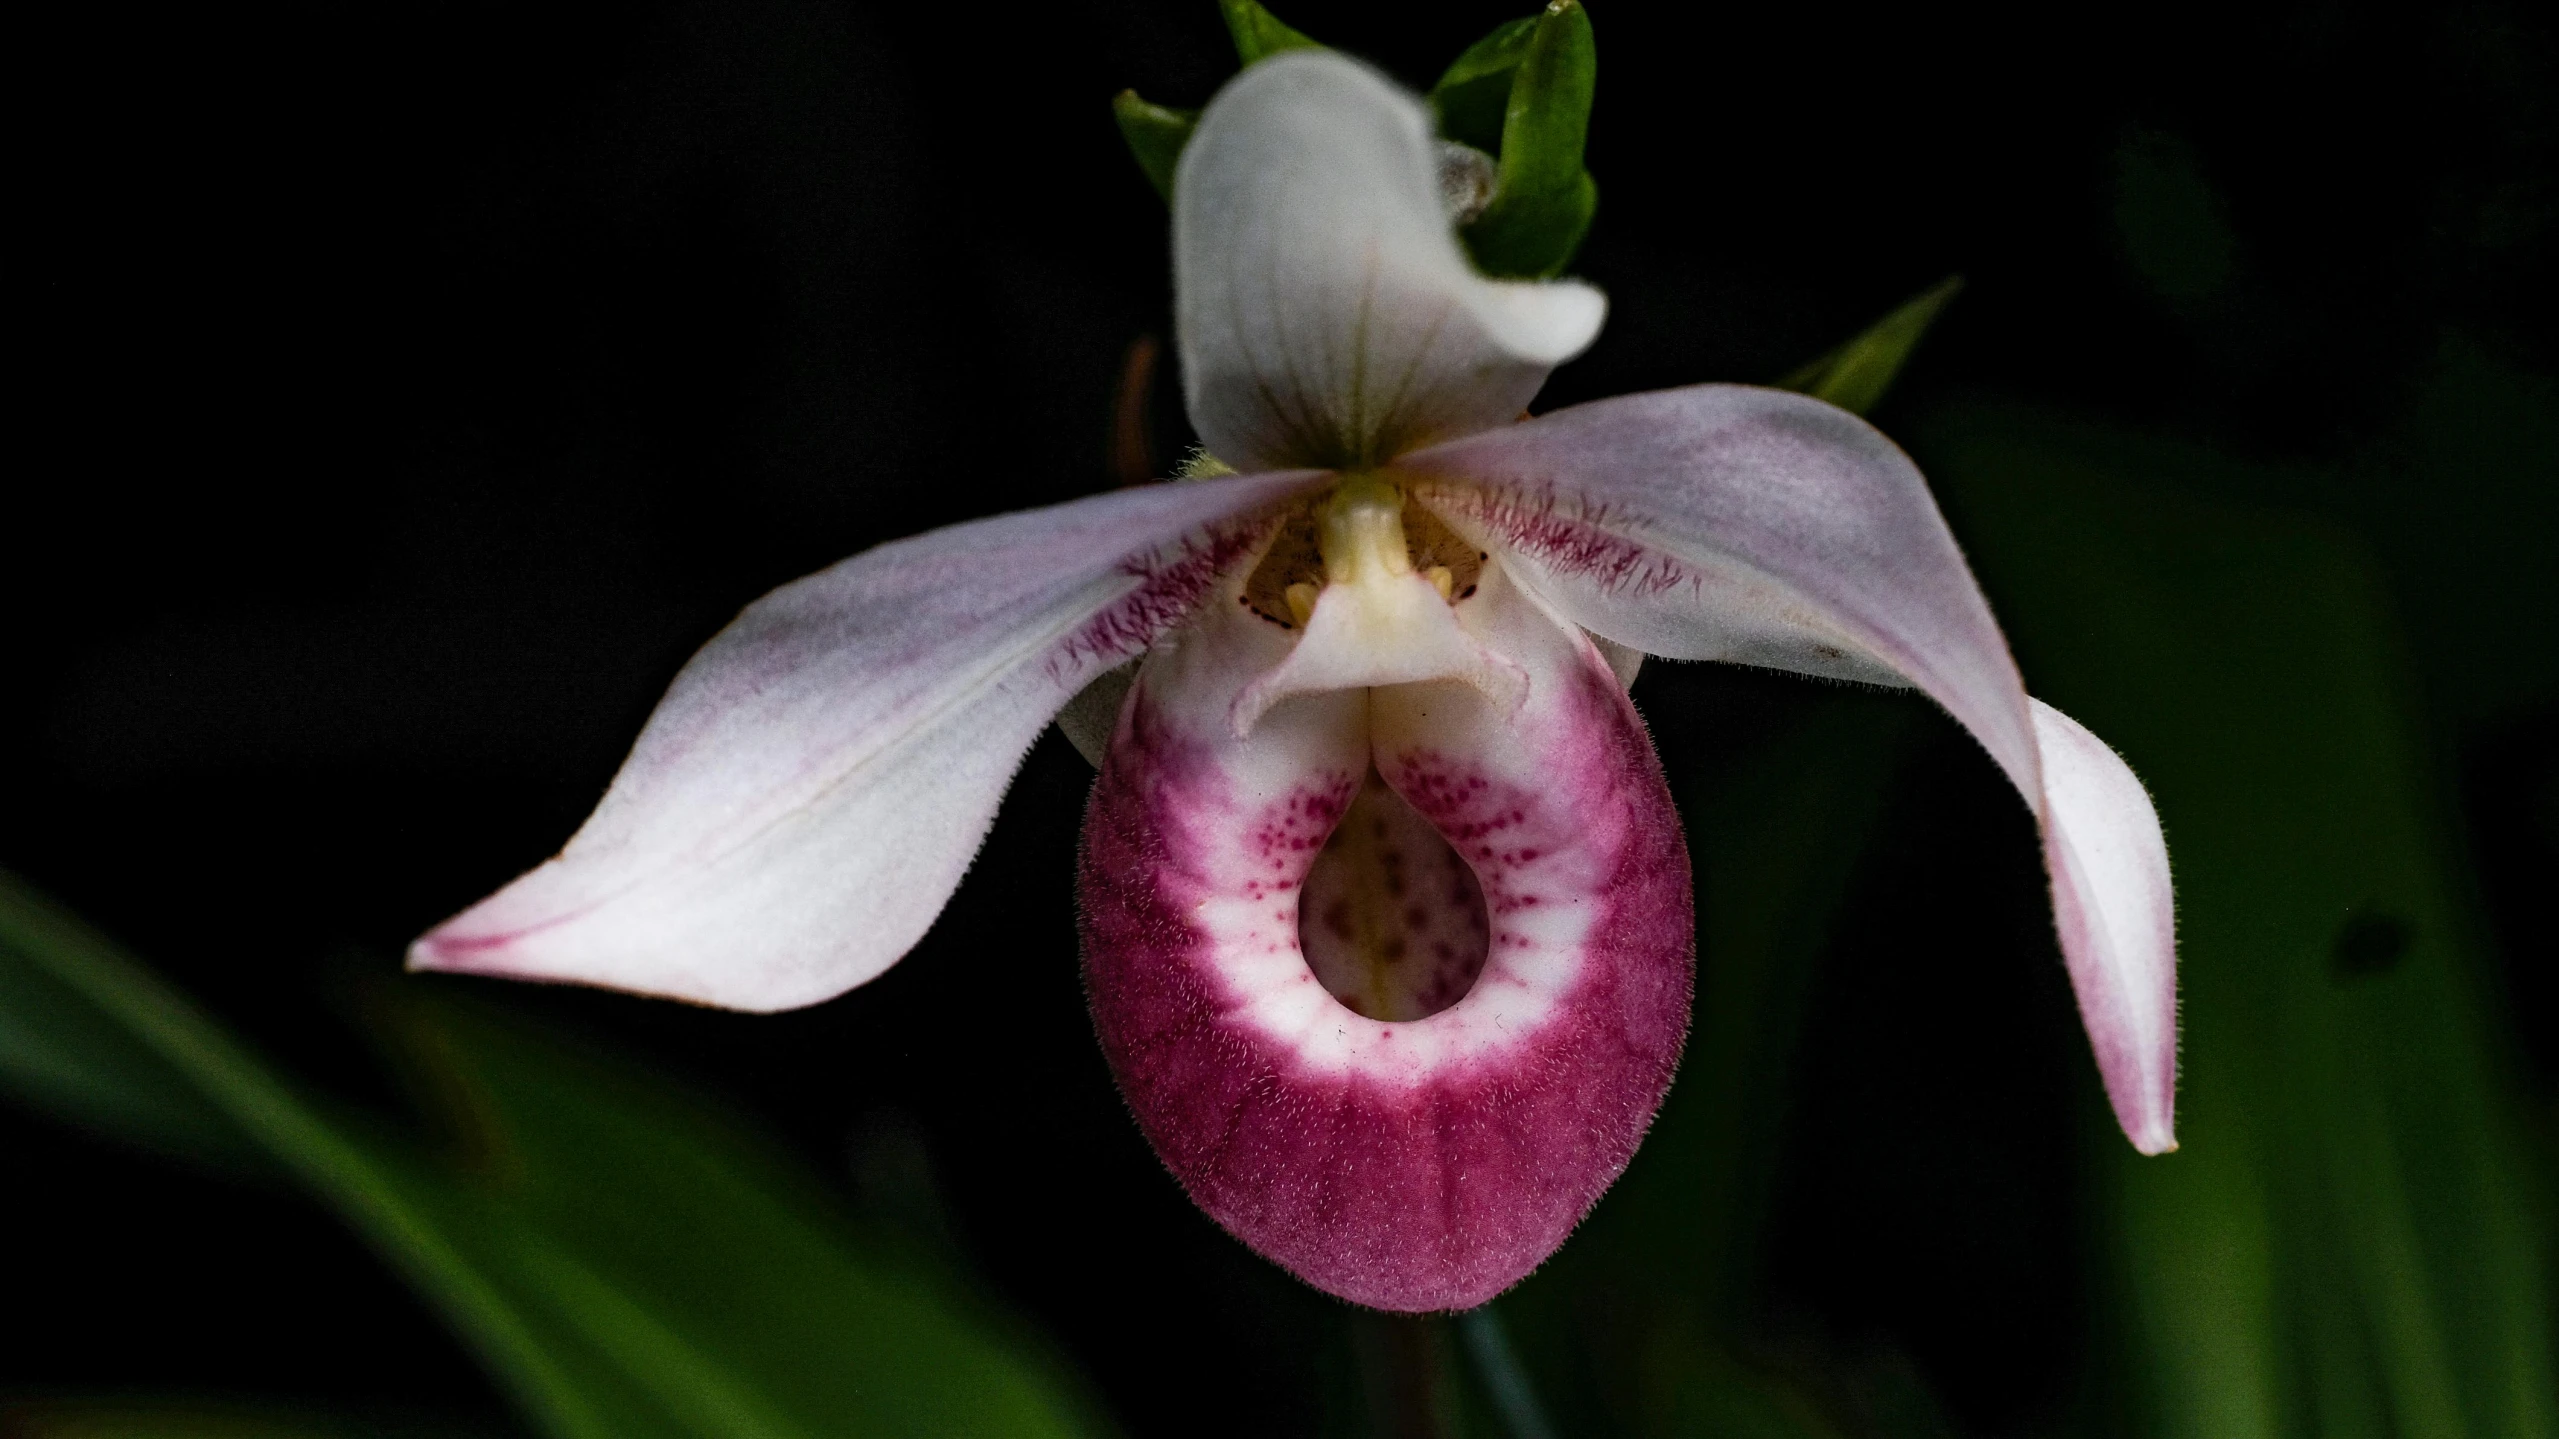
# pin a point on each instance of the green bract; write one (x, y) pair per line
(1855, 375)
(1473, 96)
(1542, 197)
(1155, 135)
(1258, 33)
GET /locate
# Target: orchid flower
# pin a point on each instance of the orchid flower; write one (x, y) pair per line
(1386, 912)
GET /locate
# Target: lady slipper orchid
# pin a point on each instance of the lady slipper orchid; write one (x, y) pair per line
(1386, 912)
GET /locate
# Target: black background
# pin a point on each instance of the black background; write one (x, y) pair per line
(412, 392)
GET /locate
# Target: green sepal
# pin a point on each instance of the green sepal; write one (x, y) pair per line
(1474, 94)
(1155, 135)
(1543, 199)
(1258, 33)
(1856, 375)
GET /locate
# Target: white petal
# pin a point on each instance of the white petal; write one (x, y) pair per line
(1757, 526)
(1327, 315)
(813, 785)
(2118, 921)
(1724, 522)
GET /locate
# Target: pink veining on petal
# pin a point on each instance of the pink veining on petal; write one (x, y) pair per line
(1417, 1165)
(817, 779)
(1730, 523)
(1170, 584)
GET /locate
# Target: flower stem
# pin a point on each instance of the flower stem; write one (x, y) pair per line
(1402, 1364)
(1505, 1379)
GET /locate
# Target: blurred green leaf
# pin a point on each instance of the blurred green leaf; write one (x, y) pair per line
(2459, 504)
(2454, 496)
(1543, 199)
(1258, 33)
(1856, 375)
(1472, 98)
(1633, 1317)
(2351, 1240)
(681, 1248)
(623, 1262)
(1776, 845)
(61, 1054)
(1155, 135)
(1693, 1389)
(2176, 230)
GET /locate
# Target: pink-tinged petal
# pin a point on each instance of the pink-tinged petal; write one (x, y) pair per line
(816, 780)
(2118, 921)
(1724, 522)
(1761, 527)
(1326, 314)
(1410, 1164)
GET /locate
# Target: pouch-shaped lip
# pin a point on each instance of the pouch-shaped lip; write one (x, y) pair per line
(1417, 1165)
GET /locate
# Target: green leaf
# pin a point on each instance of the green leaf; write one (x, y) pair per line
(1155, 135)
(1258, 33)
(1472, 99)
(2350, 1239)
(1856, 375)
(60, 1054)
(2175, 227)
(1543, 199)
(1630, 1317)
(623, 1262)
(684, 1249)
(1776, 841)
(1693, 1386)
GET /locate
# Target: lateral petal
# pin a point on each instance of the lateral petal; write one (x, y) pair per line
(1725, 522)
(1326, 314)
(2117, 915)
(819, 776)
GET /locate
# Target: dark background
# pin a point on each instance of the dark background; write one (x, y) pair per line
(415, 391)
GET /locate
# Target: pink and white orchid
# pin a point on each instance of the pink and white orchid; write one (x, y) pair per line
(1386, 911)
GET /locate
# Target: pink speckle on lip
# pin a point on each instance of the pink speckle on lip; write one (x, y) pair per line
(1391, 919)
